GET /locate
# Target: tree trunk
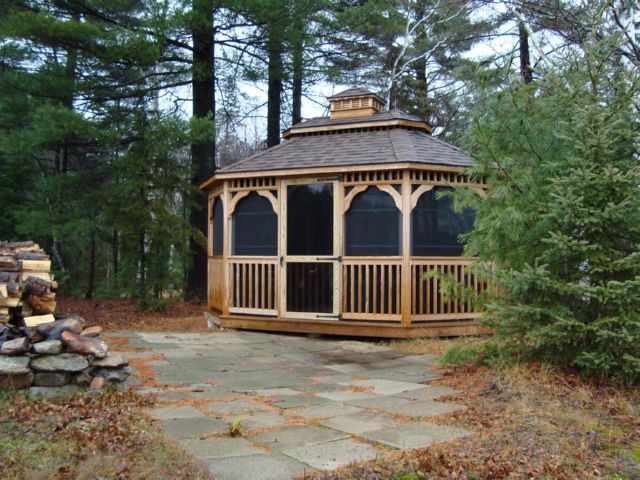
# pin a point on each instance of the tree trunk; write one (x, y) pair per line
(202, 154)
(116, 251)
(92, 266)
(142, 258)
(525, 63)
(298, 72)
(274, 49)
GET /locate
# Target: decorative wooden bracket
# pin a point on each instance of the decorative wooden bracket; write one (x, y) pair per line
(234, 201)
(397, 198)
(415, 196)
(351, 195)
(263, 193)
(272, 198)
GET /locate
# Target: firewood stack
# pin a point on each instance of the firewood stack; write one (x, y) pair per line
(27, 288)
(50, 354)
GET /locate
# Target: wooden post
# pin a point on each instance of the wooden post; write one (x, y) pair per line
(226, 245)
(406, 248)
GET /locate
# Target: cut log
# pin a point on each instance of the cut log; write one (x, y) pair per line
(37, 265)
(27, 288)
(44, 275)
(36, 320)
(43, 304)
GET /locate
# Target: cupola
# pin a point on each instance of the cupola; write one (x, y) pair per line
(355, 103)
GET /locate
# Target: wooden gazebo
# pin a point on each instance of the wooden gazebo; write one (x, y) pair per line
(337, 229)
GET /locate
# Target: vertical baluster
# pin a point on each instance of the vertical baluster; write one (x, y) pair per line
(429, 299)
(344, 288)
(352, 287)
(250, 282)
(242, 282)
(420, 285)
(398, 289)
(367, 285)
(457, 288)
(389, 290)
(436, 290)
(359, 268)
(374, 275)
(383, 289)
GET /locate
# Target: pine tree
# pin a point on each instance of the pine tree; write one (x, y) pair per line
(561, 219)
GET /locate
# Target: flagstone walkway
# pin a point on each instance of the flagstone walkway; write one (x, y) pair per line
(303, 403)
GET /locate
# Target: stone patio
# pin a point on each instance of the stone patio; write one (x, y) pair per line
(304, 403)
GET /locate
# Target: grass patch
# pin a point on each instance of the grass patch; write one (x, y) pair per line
(105, 436)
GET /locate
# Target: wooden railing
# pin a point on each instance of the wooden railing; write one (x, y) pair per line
(428, 286)
(371, 288)
(216, 290)
(253, 285)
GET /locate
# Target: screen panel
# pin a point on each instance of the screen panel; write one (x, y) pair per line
(310, 219)
(255, 227)
(310, 287)
(435, 227)
(218, 226)
(373, 225)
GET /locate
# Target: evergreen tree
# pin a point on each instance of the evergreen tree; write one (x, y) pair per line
(561, 218)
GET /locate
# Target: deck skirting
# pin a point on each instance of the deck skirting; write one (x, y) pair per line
(354, 328)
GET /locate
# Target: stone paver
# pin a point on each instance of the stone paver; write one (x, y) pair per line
(332, 455)
(413, 435)
(235, 406)
(297, 435)
(358, 423)
(192, 427)
(384, 387)
(219, 447)
(427, 393)
(326, 411)
(293, 401)
(267, 466)
(345, 395)
(168, 413)
(304, 403)
(258, 420)
(423, 408)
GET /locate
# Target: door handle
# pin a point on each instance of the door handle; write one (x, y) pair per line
(330, 259)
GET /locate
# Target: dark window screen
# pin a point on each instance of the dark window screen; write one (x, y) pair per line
(255, 227)
(435, 226)
(310, 219)
(372, 225)
(310, 287)
(218, 226)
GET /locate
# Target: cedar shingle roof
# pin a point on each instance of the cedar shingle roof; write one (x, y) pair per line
(353, 92)
(383, 116)
(344, 148)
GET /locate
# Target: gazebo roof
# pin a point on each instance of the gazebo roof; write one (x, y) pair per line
(353, 92)
(391, 136)
(382, 116)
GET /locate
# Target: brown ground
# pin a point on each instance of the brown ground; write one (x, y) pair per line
(530, 422)
(105, 436)
(114, 315)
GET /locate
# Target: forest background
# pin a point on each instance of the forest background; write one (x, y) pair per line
(112, 112)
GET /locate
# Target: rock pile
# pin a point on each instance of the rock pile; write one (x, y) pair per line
(49, 353)
(61, 353)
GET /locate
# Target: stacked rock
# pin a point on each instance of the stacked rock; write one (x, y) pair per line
(57, 357)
